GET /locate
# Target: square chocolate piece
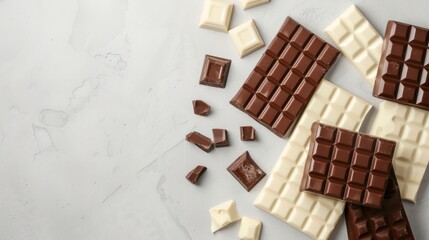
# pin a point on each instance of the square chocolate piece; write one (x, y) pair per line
(347, 165)
(246, 171)
(247, 133)
(220, 137)
(389, 222)
(215, 71)
(403, 73)
(285, 78)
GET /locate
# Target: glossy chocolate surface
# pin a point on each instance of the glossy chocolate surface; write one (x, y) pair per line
(215, 71)
(246, 171)
(201, 141)
(285, 78)
(247, 133)
(388, 223)
(201, 108)
(403, 73)
(220, 137)
(195, 174)
(347, 165)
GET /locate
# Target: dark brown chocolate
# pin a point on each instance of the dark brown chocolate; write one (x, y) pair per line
(195, 174)
(388, 223)
(220, 137)
(201, 108)
(285, 78)
(403, 72)
(246, 171)
(215, 71)
(247, 133)
(200, 141)
(347, 165)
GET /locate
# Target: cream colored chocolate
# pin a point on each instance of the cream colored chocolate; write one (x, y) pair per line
(246, 4)
(246, 38)
(216, 15)
(358, 40)
(250, 229)
(409, 126)
(223, 214)
(312, 214)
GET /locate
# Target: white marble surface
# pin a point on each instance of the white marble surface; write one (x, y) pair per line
(95, 101)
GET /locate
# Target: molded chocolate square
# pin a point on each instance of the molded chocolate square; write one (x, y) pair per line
(285, 77)
(359, 165)
(402, 72)
(388, 222)
(215, 71)
(246, 171)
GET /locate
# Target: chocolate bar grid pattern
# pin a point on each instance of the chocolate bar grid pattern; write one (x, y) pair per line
(314, 215)
(409, 126)
(352, 162)
(403, 74)
(391, 222)
(358, 41)
(285, 78)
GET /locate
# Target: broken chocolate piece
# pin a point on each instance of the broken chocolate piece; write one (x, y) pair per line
(215, 71)
(247, 133)
(220, 137)
(201, 108)
(200, 141)
(246, 171)
(194, 175)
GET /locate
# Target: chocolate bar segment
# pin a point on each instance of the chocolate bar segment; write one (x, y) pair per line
(201, 141)
(195, 174)
(247, 133)
(347, 165)
(201, 108)
(285, 78)
(403, 73)
(215, 71)
(220, 137)
(246, 171)
(389, 222)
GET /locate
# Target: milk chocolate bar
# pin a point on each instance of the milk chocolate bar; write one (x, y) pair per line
(285, 78)
(402, 75)
(347, 165)
(389, 222)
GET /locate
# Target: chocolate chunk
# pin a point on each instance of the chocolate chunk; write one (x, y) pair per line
(285, 78)
(201, 108)
(220, 137)
(194, 175)
(347, 165)
(403, 72)
(200, 141)
(215, 71)
(389, 222)
(247, 133)
(246, 171)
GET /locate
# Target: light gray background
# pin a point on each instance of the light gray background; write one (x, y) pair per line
(95, 102)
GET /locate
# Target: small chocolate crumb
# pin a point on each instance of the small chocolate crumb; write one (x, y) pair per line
(201, 108)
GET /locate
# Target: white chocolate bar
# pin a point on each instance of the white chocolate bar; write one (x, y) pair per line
(250, 229)
(246, 4)
(312, 214)
(246, 38)
(409, 126)
(216, 15)
(223, 214)
(358, 40)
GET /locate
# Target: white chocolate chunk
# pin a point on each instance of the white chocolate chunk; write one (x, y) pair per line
(312, 214)
(246, 4)
(250, 229)
(358, 41)
(216, 15)
(246, 38)
(409, 126)
(223, 214)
